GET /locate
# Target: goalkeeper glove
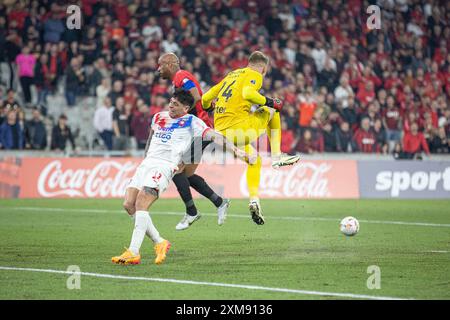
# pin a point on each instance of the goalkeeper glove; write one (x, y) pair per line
(275, 103)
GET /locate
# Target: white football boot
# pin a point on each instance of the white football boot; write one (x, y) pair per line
(222, 211)
(187, 221)
(284, 160)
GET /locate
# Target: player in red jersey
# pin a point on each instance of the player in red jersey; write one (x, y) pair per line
(169, 68)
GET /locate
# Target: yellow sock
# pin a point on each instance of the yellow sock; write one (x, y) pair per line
(253, 174)
(274, 134)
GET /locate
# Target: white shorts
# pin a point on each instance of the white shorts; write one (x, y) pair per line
(154, 176)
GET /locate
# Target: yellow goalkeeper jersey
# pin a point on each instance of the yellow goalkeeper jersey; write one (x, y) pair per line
(235, 94)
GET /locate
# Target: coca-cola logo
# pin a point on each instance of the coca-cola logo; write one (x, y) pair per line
(106, 179)
(305, 180)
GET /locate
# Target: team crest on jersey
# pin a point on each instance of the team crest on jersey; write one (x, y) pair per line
(182, 123)
(253, 81)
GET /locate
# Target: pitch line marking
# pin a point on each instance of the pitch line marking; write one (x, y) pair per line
(405, 223)
(436, 251)
(211, 284)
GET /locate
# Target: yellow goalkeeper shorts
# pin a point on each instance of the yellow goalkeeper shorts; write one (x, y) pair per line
(250, 129)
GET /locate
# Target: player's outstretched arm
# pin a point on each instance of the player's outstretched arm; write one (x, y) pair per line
(147, 145)
(229, 146)
(252, 95)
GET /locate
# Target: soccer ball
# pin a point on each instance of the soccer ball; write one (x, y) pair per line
(349, 226)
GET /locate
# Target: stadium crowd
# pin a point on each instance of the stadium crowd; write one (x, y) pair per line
(345, 88)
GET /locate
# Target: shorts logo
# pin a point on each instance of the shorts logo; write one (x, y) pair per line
(253, 81)
(156, 177)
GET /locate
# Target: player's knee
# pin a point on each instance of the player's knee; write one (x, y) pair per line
(129, 207)
(181, 168)
(180, 181)
(145, 198)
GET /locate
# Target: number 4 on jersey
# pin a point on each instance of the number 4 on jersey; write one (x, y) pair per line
(228, 92)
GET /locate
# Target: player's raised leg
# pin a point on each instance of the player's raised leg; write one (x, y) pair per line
(274, 133)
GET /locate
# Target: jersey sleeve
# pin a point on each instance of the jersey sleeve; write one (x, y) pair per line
(182, 80)
(199, 127)
(155, 118)
(250, 87)
(187, 84)
(211, 94)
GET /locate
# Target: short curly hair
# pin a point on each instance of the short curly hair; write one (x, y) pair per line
(184, 97)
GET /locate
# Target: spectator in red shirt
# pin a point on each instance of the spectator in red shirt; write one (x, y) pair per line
(240, 61)
(160, 88)
(365, 139)
(140, 125)
(122, 13)
(18, 14)
(414, 142)
(366, 76)
(309, 143)
(288, 139)
(366, 93)
(392, 80)
(392, 118)
(42, 79)
(159, 104)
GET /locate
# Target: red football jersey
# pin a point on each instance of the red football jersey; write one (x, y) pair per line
(184, 79)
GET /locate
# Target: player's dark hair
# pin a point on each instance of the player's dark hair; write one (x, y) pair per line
(258, 57)
(184, 97)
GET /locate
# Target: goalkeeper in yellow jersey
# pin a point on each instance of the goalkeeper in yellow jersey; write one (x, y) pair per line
(234, 97)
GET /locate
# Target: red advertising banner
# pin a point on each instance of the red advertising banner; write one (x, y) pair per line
(108, 178)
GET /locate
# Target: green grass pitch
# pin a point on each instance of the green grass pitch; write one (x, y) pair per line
(299, 248)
